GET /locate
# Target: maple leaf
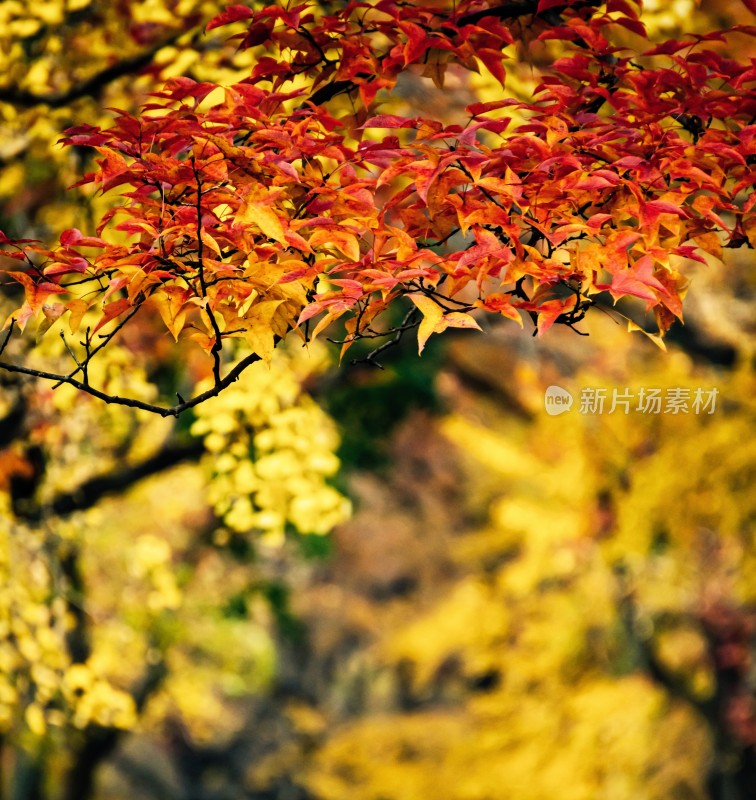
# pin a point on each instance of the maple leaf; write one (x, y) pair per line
(435, 320)
(77, 309)
(500, 304)
(73, 236)
(113, 310)
(549, 311)
(389, 121)
(655, 338)
(344, 241)
(637, 280)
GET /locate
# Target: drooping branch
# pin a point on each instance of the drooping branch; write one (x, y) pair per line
(171, 411)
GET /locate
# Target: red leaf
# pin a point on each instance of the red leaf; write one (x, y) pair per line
(650, 212)
(70, 237)
(492, 60)
(638, 281)
(231, 14)
(417, 42)
(389, 121)
(595, 182)
(483, 108)
(257, 34)
(668, 48)
(634, 25)
(73, 236)
(545, 5)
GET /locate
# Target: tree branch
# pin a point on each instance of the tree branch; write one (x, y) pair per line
(91, 492)
(171, 411)
(329, 91)
(512, 10)
(92, 86)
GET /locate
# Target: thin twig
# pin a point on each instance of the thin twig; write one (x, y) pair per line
(409, 322)
(172, 411)
(70, 351)
(7, 336)
(106, 339)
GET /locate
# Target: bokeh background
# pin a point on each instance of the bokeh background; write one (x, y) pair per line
(344, 582)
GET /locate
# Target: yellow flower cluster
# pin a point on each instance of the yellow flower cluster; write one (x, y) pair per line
(271, 452)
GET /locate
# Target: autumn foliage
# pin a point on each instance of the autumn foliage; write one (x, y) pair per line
(359, 583)
(288, 201)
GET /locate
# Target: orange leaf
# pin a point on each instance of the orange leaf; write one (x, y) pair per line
(171, 302)
(500, 304)
(35, 294)
(113, 310)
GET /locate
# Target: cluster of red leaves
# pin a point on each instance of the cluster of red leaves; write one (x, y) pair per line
(276, 203)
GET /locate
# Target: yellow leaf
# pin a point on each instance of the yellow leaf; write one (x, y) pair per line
(259, 323)
(457, 319)
(324, 322)
(710, 243)
(342, 240)
(657, 340)
(432, 317)
(265, 218)
(77, 309)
